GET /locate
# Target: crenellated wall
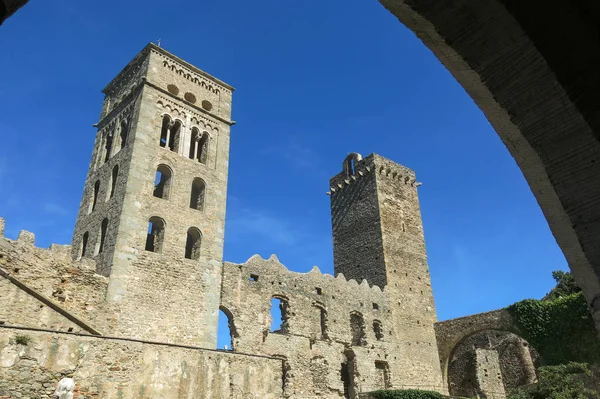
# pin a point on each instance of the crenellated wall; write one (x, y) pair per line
(45, 288)
(315, 355)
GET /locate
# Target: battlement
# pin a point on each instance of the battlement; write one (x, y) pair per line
(355, 167)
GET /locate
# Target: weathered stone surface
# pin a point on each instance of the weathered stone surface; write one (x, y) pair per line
(111, 368)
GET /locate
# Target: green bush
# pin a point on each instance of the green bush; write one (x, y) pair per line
(406, 394)
(560, 329)
(565, 381)
(22, 339)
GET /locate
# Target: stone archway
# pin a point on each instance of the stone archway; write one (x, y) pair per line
(531, 67)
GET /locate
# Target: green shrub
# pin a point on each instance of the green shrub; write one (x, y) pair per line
(560, 329)
(565, 381)
(406, 394)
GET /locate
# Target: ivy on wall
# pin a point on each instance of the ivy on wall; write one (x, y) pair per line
(560, 329)
(406, 394)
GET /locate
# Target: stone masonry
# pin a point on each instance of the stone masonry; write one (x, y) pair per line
(130, 308)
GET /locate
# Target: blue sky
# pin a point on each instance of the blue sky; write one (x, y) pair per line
(314, 81)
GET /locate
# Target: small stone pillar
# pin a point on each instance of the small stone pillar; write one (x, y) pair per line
(488, 374)
(26, 237)
(529, 374)
(2, 224)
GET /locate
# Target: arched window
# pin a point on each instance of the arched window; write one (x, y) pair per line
(102, 236)
(226, 322)
(199, 145)
(108, 147)
(279, 315)
(156, 234)
(357, 327)
(162, 182)
(349, 165)
(124, 132)
(113, 181)
(169, 133)
(193, 244)
(94, 198)
(197, 194)
(378, 330)
(84, 243)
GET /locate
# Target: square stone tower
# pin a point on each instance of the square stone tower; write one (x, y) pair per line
(153, 208)
(378, 237)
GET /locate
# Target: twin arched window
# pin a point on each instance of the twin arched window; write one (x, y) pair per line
(155, 238)
(170, 137)
(170, 133)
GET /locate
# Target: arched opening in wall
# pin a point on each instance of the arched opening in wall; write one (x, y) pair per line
(357, 328)
(108, 147)
(377, 330)
(156, 234)
(349, 165)
(279, 315)
(348, 374)
(193, 243)
(197, 194)
(199, 145)
(170, 133)
(518, 362)
(124, 133)
(383, 374)
(227, 334)
(102, 236)
(94, 198)
(84, 243)
(113, 181)
(162, 182)
(322, 320)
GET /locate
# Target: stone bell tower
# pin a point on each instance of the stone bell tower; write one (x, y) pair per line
(378, 236)
(153, 207)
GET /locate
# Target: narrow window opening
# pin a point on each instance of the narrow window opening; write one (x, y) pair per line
(319, 291)
(109, 145)
(202, 153)
(102, 237)
(197, 194)
(383, 370)
(226, 323)
(279, 315)
(162, 182)
(357, 327)
(323, 321)
(113, 181)
(378, 330)
(164, 131)
(124, 132)
(174, 137)
(375, 306)
(347, 375)
(193, 244)
(84, 243)
(94, 198)
(156, 234)
(253, 277)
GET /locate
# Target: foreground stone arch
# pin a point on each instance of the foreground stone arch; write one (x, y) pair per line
(531, 67)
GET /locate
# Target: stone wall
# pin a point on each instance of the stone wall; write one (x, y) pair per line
(32, 362)
(56, 279)
(316, 356)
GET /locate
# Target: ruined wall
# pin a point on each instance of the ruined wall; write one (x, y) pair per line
(71, 285)
(458, 339)
(111, 368)
(317, 358)
(489, 377)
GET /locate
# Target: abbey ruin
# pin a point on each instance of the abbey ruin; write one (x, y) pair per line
(130, 309)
